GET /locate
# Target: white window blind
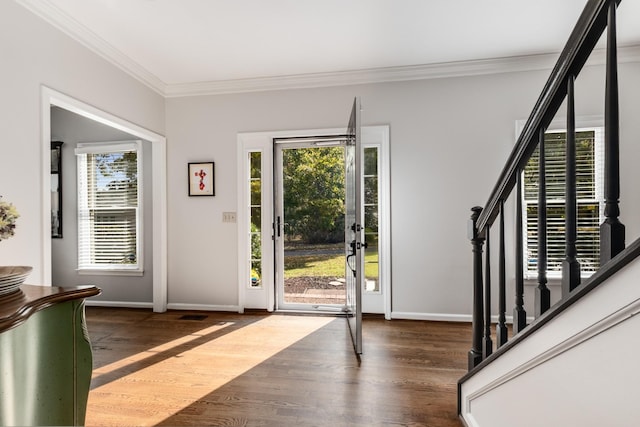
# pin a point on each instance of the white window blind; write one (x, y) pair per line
(589, 182)
(109, 207)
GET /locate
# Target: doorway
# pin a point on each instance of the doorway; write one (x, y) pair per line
(257, 221)
(52, 98)
(310, 223)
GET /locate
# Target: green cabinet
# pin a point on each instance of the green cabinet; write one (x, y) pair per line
(45, 356)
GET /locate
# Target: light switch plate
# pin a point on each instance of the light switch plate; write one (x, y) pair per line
(228, 217)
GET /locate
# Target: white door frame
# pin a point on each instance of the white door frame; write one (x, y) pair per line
(264, 297)
(51, 97)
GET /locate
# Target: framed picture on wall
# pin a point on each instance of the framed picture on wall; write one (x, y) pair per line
(202, 179)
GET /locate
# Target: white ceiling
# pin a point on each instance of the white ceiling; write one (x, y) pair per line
(178, 43)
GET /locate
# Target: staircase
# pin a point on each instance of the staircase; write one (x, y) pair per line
(573, 364)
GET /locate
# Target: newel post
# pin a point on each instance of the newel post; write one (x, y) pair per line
(475, 354)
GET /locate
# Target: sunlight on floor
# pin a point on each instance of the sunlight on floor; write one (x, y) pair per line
(155, 351)
(156, 392)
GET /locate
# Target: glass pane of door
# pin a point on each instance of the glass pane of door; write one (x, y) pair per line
(353, 228)
(313, 225)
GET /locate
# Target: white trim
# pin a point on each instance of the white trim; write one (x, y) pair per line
(117, 304)
(560, 124)
(47, 10)
(203, 307)
(390, 74)
(261, 297)
(45, 165)
(447, 317)
(117, 271)
(171, 306)
(242, 199)
(51, 97)
(441, 317)
(381, 134)
(112, 147)
(366, 76)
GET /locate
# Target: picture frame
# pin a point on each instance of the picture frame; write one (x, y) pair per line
(56, 157)
(56, 189)
(201, 179)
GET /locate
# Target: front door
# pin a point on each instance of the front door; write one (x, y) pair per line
(319, 229)
(310, 223)
(354, 227)
(258, 171)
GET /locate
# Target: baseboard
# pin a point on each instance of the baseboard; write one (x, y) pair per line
(400, 315)
(203, 307)
(118, 304)
(170, 306)
(446, 317)
(441, 317)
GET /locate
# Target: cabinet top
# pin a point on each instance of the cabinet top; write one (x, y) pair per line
(17, 307)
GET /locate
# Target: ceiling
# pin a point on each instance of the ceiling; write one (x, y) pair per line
(180, 45)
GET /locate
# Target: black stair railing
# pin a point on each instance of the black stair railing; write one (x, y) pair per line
(570, 265)
(597, 16)
(543, 295)
(611, 231)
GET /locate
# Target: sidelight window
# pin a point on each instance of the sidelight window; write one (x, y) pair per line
(371, 215)
(255, 217)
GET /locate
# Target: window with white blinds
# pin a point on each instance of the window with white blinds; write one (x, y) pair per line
(589, 181)
(109, 206)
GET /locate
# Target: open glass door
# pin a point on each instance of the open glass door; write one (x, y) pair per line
(309, 223)
(354, 244)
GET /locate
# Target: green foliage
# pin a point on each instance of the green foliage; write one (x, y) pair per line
(314, 183)
(256, 246)
(8, 216)
(116, 173)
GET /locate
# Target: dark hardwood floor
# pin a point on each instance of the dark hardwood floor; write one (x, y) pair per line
(258, 369)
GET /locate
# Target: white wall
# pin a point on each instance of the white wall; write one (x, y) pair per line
(36, 54)
(449, 140)
(72, 129)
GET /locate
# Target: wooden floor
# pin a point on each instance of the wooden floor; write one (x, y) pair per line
(271, 370)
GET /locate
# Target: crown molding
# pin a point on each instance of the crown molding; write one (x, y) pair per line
(626, 54)
(47, 10)
(367, 76)
(390, 74)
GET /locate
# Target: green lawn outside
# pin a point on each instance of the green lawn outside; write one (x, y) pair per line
(326, 265)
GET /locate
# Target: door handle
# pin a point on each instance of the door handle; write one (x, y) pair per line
(357, 245)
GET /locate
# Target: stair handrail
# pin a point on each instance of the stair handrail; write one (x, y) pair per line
(597, 16)
(582, 41)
